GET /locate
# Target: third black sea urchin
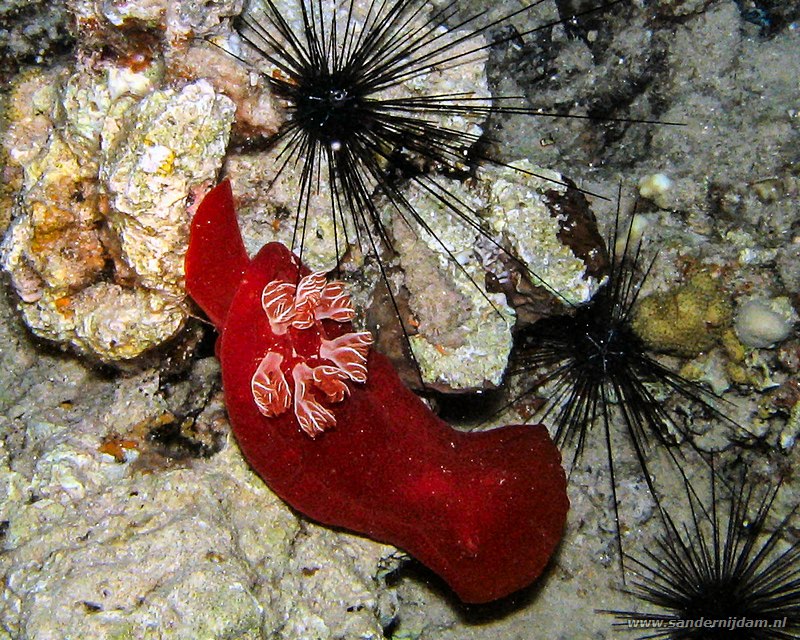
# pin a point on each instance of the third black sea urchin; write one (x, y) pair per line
(725, 573)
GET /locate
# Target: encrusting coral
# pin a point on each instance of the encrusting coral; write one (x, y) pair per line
(686, 320)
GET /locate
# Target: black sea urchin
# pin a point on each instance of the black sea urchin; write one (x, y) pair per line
(720, 577)
(368, 111)
(591, 364)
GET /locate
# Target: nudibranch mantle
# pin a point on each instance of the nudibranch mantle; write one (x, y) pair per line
(484, 510)
(303, 307)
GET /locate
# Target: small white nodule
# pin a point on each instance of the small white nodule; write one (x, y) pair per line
(762, 323)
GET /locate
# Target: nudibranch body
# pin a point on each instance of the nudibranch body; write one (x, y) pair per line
(329, 426)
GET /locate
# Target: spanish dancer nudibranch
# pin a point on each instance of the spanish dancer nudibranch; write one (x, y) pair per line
(329, 426)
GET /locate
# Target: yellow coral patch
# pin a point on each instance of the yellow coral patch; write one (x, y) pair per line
(687, 319)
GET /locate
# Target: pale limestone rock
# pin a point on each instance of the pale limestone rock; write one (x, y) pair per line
(108, 163)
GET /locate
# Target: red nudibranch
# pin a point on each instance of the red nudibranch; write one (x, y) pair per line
(329, 426)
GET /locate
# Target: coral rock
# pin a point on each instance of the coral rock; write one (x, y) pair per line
(100, 225)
